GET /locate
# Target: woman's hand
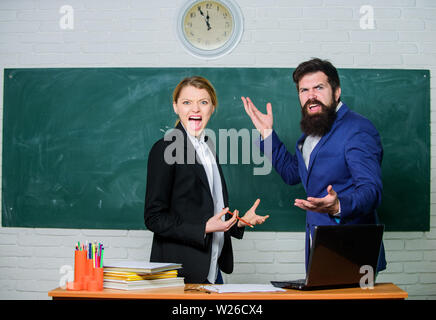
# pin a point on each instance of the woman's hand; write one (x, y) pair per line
(216, 224)
(251, 216)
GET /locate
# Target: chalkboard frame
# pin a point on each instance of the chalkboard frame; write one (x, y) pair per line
(47, 109)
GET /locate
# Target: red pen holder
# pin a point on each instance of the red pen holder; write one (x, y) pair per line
(79, 265)
(86, 275)
(96, 283)
(89, 268)
(79, 270)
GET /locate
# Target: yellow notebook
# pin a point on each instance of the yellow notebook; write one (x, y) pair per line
(133, 276)
(140, 266)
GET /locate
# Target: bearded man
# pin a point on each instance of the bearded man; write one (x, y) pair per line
(337, 158)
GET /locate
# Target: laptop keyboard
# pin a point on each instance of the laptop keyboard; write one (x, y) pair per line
(289, 284)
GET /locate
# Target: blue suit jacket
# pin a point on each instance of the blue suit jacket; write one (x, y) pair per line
(349, 158)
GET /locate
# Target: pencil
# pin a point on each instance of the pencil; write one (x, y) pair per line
(249, 224)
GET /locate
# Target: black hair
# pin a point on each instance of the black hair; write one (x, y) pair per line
(315, 65)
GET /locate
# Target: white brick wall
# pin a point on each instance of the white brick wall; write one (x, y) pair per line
(280, 33)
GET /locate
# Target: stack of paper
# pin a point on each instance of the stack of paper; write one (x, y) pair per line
(135, 275)
(227, 288)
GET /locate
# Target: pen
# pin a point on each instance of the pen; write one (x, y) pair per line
(101, 260)
(242, 220)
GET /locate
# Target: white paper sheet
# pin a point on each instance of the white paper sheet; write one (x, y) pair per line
(139, 264)
(227, 288)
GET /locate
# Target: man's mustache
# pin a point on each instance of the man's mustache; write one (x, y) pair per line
(314, 101)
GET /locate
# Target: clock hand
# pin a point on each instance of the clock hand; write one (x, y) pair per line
(206, 19)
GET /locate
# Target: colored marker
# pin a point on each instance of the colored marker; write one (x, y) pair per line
(242, 220)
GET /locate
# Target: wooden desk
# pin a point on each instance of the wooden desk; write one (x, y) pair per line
(380, 291)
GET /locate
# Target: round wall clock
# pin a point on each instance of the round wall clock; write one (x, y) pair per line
(210, 29)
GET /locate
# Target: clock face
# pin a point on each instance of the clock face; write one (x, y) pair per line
(209, 29)
(208, 25)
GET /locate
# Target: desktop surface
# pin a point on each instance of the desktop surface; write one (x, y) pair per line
(194, 292)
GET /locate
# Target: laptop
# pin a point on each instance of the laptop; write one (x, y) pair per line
(337, 254)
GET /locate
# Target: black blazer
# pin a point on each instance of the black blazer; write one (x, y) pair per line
(178, 203)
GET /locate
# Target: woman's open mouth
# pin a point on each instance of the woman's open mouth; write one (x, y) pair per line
(195, 122)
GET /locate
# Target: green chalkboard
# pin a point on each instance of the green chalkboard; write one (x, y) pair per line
(76, 142)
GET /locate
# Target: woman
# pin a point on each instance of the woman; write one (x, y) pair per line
(186, 201)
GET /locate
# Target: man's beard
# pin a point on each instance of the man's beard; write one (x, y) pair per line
(318, 124)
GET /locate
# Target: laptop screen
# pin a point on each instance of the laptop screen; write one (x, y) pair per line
(339, 252)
